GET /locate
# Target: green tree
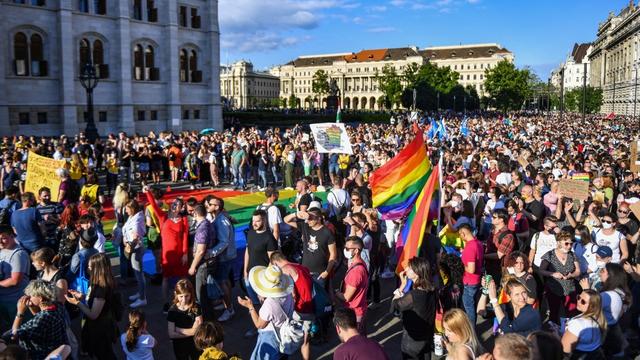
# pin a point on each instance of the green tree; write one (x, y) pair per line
(442, 79)
(389, 82)
(410, 75)
(282, 102)
(293, 102)
(320, 83)
(574, 99)
(507, 86)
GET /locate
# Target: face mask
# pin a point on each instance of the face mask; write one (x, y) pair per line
(600, 264)
(347, 254)
(454, 203)
(578, 237)
(511, 270)
(606, 225)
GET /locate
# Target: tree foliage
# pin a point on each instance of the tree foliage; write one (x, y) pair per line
(574, 99)
(320, 83)
(390, 83)
(508, 86)
(293, 102)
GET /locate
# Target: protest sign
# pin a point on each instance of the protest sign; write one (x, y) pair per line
(634, 162)
(574, 189)
(331, 138)
(523, 159)
(41, 172)
(635, 208)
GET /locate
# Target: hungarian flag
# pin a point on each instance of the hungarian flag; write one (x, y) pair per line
(338, 115)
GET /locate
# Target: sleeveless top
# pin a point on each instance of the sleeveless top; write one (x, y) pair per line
(303, 287)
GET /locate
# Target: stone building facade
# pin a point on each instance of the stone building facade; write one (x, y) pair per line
(574, 68)
(355, 72)
(158, 63)
(241, 87)
(615, 61)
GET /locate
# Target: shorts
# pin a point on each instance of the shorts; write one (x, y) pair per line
(143, 167)
(223, 270)
(333, 168)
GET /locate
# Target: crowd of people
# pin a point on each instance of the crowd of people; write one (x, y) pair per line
(512, 269)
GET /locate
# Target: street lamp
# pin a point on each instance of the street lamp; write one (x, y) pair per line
(454, 103)
(635, 90)
(89, 81)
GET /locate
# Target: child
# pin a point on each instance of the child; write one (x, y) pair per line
(209, 338)
(183, 319)
(137, 343)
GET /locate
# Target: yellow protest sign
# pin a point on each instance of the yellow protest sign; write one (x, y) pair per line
(41, 171)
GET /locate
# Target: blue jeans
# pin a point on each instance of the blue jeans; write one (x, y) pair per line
(274, 170)
(267, 347)
(138, 271)
(262, 174)
(469, 301)
(238, 176)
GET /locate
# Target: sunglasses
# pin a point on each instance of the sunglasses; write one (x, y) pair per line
(623, 212)
(355, 199)
(607, 221)
(567, 243)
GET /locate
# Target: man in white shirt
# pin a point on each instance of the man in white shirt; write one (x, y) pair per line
(338, 199)
(543, 241)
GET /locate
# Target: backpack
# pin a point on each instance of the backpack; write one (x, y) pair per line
(342, 209)
(81, 282)
(322, 304)
(290, 335)
(5, 214)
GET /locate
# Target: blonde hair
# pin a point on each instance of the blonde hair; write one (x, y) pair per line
(121, 196)
(458, 322)
(594, 310)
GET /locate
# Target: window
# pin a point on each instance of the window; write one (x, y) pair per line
(141, 115)
(83, 6)
(37, 56)
(42, 118)
(23, 118)
(138, 63)
(153, 115)
(100, 7)
(474, 76)
(196, 114)
(21, 54)
(185, 115)
(196, 75)
(468, 77)
(182, 19)
(137, 9)
(184, 69)
(84, 53)
(149, 61)
(152, 11)
(195, 19)
(18, 1)
(102, 116)
(95, 53)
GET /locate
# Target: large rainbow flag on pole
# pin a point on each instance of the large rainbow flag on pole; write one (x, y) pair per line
(425, 210)
(397, 184)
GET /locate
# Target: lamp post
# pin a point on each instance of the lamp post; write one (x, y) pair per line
(635, 90)
(561, 93)
(89, 81)
(454, 103)
(613, 99)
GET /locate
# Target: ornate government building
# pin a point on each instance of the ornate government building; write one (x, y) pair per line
(355, 72)
(157, 60)
(241, 87)
(615, 60)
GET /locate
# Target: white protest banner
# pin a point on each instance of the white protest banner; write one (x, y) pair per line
(331, 138)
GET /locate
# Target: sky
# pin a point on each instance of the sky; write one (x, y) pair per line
(540, 33)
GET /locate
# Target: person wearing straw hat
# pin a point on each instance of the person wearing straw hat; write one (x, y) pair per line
(274, 289)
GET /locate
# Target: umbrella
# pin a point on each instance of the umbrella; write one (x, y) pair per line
(207, 131)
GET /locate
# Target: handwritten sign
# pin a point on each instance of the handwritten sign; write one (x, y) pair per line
(635, 208)
(41, 172)
(523, 159)
(574, 189)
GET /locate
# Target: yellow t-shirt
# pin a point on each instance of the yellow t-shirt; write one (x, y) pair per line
(112, 165)
(75, 172)
(343, 161)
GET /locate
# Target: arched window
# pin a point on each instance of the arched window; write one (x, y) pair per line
(196, 75)
(138, 63)
(38, 66)
(98, 52)
(149, 69)
(83, 6)
(100, 7)
(21, 54)
(183, 66)
(85, 53)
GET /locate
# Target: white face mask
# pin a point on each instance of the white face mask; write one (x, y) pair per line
(454, 203)
(347, 254)
(600, 264)
(511, 270)
(606, 225)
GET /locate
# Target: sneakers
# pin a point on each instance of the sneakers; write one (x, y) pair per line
(134, 297)
(219, 306)
(138, 303)
(226, 315)
(250, 333)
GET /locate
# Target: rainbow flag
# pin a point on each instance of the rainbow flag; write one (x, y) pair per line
(424, 210)
(581, 176)
(397, 184)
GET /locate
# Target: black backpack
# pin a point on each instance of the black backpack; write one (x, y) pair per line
(5, 214)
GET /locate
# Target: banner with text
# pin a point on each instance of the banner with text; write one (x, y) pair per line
(574, 189)
(41, 171)
(331, 138)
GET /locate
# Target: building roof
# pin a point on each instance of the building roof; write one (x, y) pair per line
(369, 55)
(579, 52)
(463, 52)
(315, 60)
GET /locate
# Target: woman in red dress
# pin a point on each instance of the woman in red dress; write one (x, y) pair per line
(174, 230)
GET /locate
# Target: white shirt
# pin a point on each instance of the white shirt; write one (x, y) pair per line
(337, 198)
(542, 243)
(612, 241)
(503, 179)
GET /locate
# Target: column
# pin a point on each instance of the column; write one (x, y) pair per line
(214, 108)
(170, 68)
(67, 72)
(5, 124)
(123, 69)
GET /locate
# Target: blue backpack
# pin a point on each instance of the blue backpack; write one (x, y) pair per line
(321, 301)
(81, 281)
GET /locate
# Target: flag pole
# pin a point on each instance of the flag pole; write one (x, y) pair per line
(441, 193)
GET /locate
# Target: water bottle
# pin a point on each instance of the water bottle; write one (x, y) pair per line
(314, 329)
(437, 345)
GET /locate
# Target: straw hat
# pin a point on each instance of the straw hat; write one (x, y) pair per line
(270, 282)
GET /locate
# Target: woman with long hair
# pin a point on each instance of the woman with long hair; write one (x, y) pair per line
(67, 235)
(174, 227)
(583, 336)
(136, 342)
(120, 199)
(616, 299)
(42, 261)
(459, 331)
(585, 250)
(183, 319)
(417, 308)
(100, 329)
(515, 316)
(517, 267)
(133, 232)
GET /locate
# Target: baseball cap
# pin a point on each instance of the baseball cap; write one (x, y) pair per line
(315, 205)
(604, 252)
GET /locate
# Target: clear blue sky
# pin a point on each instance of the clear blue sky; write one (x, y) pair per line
(540, 33)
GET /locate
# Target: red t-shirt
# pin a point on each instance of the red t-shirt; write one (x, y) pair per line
(357, 277)
(473, 252)
(303, 290)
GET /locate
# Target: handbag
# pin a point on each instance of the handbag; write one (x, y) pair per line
(81, 282)
(290, 335)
